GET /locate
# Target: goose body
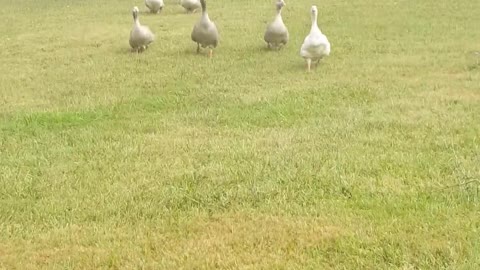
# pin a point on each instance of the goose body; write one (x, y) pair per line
(190, 5)
(276, 34)
(154, 6)
(316, 45)
(205, 32)
(140, 35)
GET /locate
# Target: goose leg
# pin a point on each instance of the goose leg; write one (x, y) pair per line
(309, 64)
(210, 53)
(198, 47)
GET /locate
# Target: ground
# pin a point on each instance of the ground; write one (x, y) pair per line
(168, 159)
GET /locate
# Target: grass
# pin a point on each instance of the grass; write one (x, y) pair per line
(168, 159)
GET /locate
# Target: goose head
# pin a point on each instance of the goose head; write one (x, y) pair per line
(314, 14)
(280, 4)
(135, 13)
(314, 11)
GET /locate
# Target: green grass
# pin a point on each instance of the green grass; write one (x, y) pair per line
(168, 159)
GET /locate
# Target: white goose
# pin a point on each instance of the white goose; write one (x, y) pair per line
(205, 31)
(316, 45)
(276, 34)
(140, 35)
(190, 5)
(155, 6)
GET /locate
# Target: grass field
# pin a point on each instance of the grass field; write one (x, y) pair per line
(170, 160)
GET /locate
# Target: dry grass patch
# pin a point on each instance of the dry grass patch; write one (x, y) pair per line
(255, 241)
(226, 241)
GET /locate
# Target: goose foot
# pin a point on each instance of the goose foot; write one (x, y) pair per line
(141, 49)
(309, 64)
(137, 50)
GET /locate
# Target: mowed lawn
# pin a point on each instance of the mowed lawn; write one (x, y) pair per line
(170, 160)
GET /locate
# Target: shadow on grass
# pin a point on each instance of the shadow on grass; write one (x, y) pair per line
(192, 51)
(126, 50)
(182, 11)
(262, 49)
(148, 13)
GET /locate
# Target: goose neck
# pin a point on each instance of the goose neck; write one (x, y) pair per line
(279, 12)
(205, 16)
(278, 16)
(314, 22)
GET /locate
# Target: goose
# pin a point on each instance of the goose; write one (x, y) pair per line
(316, 45)
(276, 34)
(205, 31)
(155, 6)
(140, 35)
(190, 5)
